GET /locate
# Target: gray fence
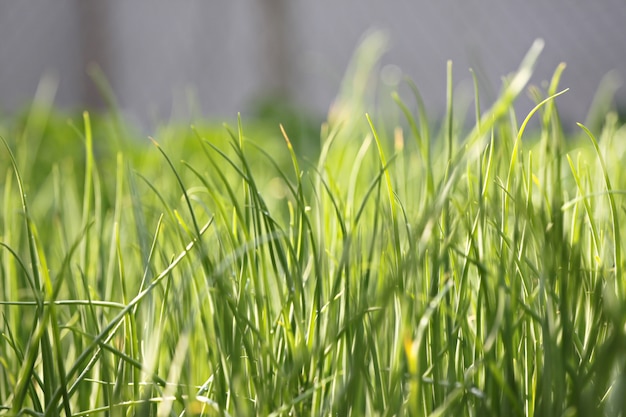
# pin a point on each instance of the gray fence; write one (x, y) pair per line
(159, 56)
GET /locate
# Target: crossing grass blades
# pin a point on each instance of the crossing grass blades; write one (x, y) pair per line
(467, 272)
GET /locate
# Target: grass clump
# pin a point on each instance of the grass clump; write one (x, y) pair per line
(399, 272)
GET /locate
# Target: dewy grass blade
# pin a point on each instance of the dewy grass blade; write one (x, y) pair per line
(588, 209)
(38, 337)
(617, 248)
(87, 188)
(392, 199)
(9, 268)
(515, 154)
(422, 136)
(52, 352)
(37, 284)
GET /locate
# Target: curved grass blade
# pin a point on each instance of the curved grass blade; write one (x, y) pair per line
(617, 248)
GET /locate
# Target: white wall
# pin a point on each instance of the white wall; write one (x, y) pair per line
(226, 53)
(489, 35)
(38, 39)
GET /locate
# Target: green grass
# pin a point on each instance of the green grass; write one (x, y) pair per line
(399, 271)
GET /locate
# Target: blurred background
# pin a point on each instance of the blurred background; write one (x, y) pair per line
(165, 60)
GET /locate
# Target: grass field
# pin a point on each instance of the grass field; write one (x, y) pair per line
(397, 270)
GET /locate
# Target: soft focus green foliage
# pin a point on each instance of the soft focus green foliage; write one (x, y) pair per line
(391, 271)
